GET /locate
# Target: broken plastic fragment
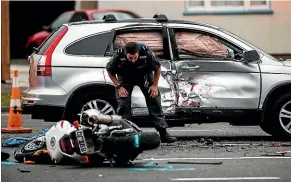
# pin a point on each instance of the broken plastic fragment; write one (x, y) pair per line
(23, 171)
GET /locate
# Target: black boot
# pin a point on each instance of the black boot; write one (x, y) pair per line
(166, 137)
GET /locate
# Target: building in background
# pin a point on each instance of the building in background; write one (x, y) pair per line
(266, 24)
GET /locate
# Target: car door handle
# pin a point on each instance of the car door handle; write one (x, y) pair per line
(190, 67)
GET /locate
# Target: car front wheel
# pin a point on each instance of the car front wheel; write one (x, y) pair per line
(278, 118)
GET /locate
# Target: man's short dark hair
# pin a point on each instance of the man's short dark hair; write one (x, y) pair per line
(131, 48)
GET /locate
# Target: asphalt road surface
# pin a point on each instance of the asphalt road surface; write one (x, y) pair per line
(245, 153)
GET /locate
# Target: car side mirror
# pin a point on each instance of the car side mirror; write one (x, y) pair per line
(251, 56)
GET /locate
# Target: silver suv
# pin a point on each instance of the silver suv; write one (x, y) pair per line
(208, 74)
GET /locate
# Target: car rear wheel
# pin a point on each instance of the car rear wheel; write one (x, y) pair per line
(278, 118)
(103, 106)
(80, 103)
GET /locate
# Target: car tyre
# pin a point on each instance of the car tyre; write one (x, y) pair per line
(274, 124)
(74, 107)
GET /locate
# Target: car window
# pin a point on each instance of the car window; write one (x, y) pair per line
(204, 45)
(65, 18)
(152, 38)
(94, 45)
(118, 15)
(249, 44)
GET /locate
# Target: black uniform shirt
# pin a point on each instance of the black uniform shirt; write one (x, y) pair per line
(133, 73)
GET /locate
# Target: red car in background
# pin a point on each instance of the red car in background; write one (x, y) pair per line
(73, 16)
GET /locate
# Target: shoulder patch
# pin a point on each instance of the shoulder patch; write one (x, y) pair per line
(120, 50)
(145, 47)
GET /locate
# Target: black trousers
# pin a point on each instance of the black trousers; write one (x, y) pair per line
(153, 104)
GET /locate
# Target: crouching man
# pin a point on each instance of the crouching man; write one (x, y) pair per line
(134, 65)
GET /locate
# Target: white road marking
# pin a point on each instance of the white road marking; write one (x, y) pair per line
(4, 114)
(189, 130)
(177, 130)
(217, 158)
(225, 179)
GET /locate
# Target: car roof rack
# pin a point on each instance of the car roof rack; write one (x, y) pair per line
(160, 17)
(109, 17)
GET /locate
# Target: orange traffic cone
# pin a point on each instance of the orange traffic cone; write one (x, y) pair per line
(15, 115)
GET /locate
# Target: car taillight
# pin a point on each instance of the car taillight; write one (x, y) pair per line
(44, 65)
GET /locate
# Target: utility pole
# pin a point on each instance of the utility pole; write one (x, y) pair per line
(5, 42)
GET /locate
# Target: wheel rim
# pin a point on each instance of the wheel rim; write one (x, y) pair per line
(285, 117)
(33, 145)
(101, 105)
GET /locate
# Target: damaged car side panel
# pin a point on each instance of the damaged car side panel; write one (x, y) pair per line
(218, 84)
(210, 72)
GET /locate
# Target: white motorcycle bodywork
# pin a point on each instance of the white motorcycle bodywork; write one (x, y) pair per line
(53, 137)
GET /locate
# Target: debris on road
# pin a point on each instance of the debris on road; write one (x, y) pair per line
(8, 163)
(277, 144)
(201, 140)
(272, 154)
(194, 162)
(15, 142)
(4, 156)
(284, 152)
(151, 164)
(100, 175)
(24, 171)
(209, 142)
(280, 153)
(228, 150)
(236, 144)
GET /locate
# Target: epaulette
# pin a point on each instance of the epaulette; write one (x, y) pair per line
(120, 50)
(143, 47)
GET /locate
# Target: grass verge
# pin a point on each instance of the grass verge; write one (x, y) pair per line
(5, 99)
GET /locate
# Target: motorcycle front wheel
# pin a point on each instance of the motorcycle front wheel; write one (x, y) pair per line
(28, 151)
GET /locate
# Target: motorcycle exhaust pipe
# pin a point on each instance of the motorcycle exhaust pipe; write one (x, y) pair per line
(112, 120)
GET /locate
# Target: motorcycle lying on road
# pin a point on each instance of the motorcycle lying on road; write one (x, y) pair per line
(95, 139)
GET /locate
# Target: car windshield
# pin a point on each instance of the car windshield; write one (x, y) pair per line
(118, 15)
(249, 44)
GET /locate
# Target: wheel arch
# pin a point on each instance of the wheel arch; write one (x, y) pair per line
(273, 94)
(103, 89)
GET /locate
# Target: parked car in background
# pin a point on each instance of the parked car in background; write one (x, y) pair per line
(73, 16)
(208, 74)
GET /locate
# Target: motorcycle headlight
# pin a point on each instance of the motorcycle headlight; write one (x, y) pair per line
(66, 145)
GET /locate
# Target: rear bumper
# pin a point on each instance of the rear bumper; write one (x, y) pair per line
(49, 113)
